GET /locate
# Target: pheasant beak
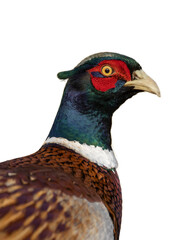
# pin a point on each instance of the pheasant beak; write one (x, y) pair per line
(141, 81)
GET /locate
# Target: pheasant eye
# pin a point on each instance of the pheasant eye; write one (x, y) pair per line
(106, 70)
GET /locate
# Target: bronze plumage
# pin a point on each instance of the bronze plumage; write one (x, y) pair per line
(35, 192)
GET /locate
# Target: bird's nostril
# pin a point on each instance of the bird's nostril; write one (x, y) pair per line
(135, 76)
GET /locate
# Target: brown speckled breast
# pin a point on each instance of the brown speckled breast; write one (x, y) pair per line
(34, 184)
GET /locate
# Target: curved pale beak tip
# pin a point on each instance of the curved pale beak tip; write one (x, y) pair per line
(158, 94)
(141, 81)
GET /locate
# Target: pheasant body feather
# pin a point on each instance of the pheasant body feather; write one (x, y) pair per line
(46, 186)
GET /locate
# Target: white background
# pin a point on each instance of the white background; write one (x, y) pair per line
(40, 38)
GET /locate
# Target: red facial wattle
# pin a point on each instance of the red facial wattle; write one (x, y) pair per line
(104, 83)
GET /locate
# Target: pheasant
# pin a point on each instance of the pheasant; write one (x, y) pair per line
(69, 189)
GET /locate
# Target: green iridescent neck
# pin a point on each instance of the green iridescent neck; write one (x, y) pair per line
(77, 121)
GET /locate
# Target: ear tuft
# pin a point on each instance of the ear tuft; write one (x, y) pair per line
(66, 74)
